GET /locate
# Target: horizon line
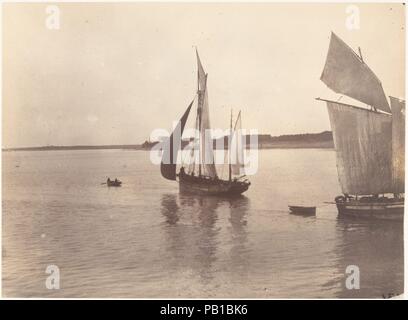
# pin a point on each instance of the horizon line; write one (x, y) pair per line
(127, 145)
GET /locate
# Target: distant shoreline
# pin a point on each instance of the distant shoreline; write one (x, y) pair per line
(84, 147)
(298, 145)
(323, 140)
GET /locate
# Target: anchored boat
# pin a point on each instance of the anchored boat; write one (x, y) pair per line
(114, 183)
(199, 174)
(301, 210)
(369, 142)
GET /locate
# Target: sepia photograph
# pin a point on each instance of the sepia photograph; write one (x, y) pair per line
(203, 150)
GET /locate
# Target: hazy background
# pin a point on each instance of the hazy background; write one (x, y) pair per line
(114, 72)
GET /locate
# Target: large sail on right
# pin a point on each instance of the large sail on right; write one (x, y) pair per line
(363, 149)
(398, 144)
(346, 73)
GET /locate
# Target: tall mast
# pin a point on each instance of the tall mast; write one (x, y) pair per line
(194, 142)
(199, 106)
(200, 142)
(199, 114)
(207, 164)
(229, 152)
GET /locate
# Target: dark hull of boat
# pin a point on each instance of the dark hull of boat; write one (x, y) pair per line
(114, 184)
(391, 209)
(302, 210)
(212, 187)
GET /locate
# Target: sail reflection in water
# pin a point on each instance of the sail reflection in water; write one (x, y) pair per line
(378, 245)
(192, 235)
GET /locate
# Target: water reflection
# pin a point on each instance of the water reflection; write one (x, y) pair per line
(170, 208)
(165, 245)
(239, 252)
(207, 236)
(376, 247)
(192, 233)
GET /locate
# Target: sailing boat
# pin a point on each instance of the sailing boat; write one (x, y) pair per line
(369, 142)
(200, 175)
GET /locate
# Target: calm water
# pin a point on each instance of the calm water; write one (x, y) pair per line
(147, 240)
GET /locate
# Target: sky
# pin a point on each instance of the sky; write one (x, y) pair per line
(113, 73)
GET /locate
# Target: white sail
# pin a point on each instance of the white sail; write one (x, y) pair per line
(237, 149)
(398, 144)
(346, 73)
(206, 142)
(363, 149)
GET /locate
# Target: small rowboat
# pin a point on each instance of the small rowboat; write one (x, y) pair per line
(114, 183)
(302, 210)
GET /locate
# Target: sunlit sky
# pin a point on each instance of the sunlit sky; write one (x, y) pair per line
(113, 73)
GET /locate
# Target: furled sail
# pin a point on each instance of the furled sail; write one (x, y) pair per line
(398, 144)
(363, 149)
(206, 142)
(346, 73)
(171, 147)
(237, 149)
